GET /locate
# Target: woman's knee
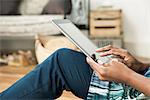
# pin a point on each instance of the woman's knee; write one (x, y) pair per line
(68, 54)
(64, 50)
(66, 57)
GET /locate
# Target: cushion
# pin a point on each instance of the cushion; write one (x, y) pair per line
(57, 7)
(32, 7)
(28, 25)
(9, 7)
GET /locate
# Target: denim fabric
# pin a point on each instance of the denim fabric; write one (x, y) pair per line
(63, 70)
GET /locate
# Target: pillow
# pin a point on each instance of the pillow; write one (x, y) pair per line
(28, 25)
(46, 45)
(9, 7)
(32, 7)
(58, 7)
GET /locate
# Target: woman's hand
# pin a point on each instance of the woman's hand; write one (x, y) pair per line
(112, 71)
(119, 72)
(125, 57)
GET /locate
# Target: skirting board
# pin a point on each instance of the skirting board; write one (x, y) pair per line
(8, 44)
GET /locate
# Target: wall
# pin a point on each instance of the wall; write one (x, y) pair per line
(136, 24)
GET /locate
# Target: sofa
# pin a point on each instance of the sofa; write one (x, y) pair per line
(17, 32)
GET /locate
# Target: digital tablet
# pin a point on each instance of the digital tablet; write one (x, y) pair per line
(79, 39)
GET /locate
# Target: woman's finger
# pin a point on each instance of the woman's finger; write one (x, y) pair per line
(95, 66)
(117, 52)
(106, 48)
(119, 60)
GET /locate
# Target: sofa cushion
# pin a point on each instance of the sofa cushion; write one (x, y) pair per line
(28, 25)
(9, 7)
(57, 7)
(32, 7)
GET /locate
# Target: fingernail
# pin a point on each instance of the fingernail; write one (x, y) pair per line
(115, 60)
(96, 49)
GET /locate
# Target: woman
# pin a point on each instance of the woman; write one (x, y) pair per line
(68, 70)
(123, 69)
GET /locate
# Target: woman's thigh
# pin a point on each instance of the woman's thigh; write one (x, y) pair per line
(76, 71)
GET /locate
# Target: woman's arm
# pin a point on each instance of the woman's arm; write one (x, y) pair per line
(139, 82)
(119, 72)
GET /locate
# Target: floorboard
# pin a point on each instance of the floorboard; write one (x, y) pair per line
(10, 74)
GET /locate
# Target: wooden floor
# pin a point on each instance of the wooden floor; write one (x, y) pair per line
(10, 74)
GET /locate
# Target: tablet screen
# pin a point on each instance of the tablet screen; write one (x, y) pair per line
(77, 37)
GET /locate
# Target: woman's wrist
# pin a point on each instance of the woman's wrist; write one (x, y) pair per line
(136, 80)
(131, 77)
(128, 75)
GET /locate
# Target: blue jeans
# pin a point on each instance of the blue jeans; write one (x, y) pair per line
(63, 70)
